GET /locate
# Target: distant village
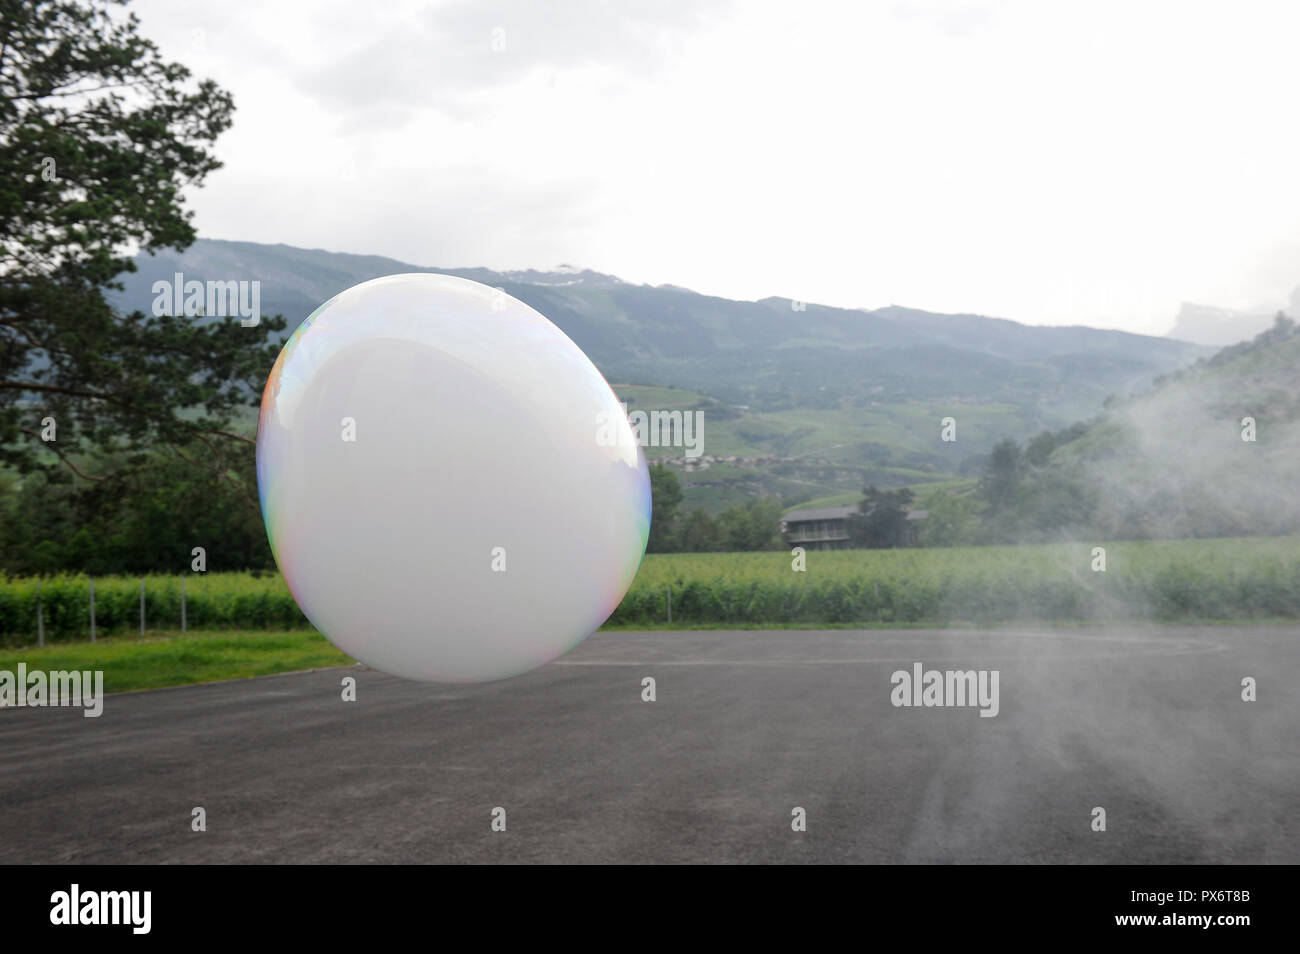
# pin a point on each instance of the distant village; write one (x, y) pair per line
(705, 461)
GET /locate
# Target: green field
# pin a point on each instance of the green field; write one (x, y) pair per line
(1185, 580)
(174, 660)
(920, 490)
(213, 601)
(840, 435)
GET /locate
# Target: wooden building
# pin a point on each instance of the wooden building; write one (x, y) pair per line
(827, 528)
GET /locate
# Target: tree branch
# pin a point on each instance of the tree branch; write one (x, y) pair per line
(63, 457)
(55, 389)
(235, 437)
(225, 475)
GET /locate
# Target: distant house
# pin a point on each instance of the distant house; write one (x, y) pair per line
(827, 528)
(912, 532)
(818, 528)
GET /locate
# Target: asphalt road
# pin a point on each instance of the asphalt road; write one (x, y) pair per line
(1147, 723)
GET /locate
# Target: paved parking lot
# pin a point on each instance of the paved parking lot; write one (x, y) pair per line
(1147, 723)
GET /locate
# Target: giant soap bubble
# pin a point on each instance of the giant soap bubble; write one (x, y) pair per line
(451, 490)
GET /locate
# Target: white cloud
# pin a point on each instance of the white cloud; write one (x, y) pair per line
(1049, 162)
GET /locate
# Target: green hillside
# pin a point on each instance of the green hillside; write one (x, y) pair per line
(799, 400)
(812, 453)
(1172, 462)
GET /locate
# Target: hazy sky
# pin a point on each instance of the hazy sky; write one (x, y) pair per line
(1053, 163)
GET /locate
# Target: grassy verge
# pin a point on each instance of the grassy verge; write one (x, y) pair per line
(176, 660)
(172, 659)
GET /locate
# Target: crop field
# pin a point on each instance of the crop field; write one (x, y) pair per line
(1185, 580)
(1163, 581)
(213, 601)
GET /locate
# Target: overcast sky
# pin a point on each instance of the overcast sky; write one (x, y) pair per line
(1053, 163)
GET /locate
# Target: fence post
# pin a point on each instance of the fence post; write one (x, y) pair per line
(142, 607)
(670, 604)
(92, 611)
(182, 604)
(40, 617)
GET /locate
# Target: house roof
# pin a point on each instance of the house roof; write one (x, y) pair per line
(838, 513)
(818, 513)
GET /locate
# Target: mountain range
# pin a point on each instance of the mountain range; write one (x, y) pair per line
(768, 354)
(810, 399)
(1205, 324)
